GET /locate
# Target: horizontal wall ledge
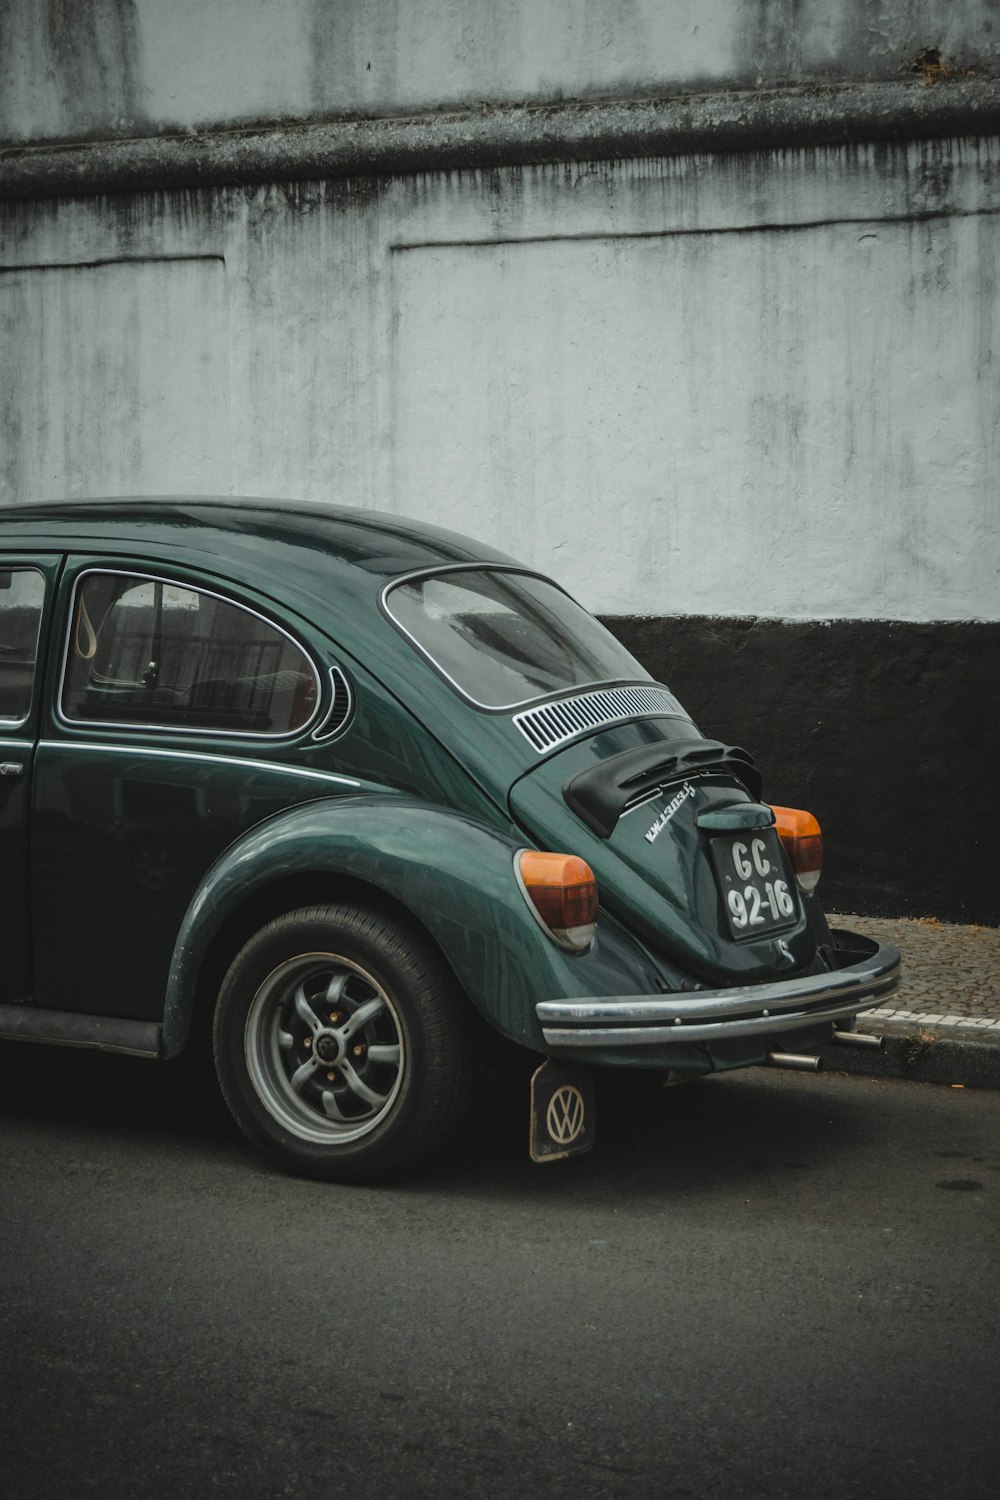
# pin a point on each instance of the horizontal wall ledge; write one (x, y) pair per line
(505, 135)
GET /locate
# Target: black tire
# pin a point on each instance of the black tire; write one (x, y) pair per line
(342, 1045)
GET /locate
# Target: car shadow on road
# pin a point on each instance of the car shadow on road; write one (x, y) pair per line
(742, 1127)
(80, 1090)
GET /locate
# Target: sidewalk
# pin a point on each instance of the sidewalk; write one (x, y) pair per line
(943, 1023)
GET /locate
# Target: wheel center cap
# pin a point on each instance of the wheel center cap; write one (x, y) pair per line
(327, 1047)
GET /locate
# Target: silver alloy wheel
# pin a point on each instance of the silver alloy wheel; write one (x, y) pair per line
(324, 1048)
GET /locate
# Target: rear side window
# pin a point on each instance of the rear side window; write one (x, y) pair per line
(147, 651)
(505, 638)
(22, 594)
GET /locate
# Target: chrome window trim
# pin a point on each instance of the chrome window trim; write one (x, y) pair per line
(209, 757)
(321, 734)
(514, 568)
(185, 729)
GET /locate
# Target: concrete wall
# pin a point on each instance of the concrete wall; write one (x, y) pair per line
(121, 369)
(723, 386)
(790, 420)
(83, 69)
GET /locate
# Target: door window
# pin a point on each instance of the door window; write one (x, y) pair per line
(147, 651)
(22, 594)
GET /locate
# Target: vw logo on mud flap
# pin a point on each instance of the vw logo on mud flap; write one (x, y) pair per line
(563, 1111)
(564, 1117)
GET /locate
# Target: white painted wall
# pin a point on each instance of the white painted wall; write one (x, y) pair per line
(115, 370)
(732, 385)
(107, 67)
(776, 422)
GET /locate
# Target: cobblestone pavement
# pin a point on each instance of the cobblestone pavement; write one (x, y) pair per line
(951, 977)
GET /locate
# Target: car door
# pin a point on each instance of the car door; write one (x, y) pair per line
(181, 717)
(26, 587)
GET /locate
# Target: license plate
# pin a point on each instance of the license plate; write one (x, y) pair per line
(756, 896)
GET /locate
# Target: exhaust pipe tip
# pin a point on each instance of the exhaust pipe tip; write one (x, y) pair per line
(797, 1060)
(859, 1039)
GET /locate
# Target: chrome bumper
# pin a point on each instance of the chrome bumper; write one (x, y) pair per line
(710, 1015)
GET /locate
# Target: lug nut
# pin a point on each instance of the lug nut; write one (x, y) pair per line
(308, 1042)
(359, 1050)
(334, 1017)
(331, 1078)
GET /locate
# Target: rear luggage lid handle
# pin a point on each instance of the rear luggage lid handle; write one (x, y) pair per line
(736, 818)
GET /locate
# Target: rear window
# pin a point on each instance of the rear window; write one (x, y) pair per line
(503, 639)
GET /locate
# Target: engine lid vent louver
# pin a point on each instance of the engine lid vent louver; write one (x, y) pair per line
(340, 708)
(552, 724)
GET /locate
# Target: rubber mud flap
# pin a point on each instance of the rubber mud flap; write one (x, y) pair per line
(563, 1115)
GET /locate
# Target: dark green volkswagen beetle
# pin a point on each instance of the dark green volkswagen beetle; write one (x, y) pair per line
(354, 785)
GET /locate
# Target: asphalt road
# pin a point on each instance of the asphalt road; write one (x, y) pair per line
(766, 1284)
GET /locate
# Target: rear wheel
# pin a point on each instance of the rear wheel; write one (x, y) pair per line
(341, 1044)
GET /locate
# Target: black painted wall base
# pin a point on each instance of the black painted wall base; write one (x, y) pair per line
(888, 731)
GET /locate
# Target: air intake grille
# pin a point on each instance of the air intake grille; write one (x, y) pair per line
(340, 709)
(553, 723)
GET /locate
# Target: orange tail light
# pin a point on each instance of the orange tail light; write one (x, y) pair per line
(563, 892)
(803, 840)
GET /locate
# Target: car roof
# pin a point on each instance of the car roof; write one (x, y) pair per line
(328, 566)
(384, 546)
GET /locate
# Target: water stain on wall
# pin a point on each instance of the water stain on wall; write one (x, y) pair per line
(90, 58)
(121, 381)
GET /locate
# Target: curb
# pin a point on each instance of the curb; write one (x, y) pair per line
(948, 1061)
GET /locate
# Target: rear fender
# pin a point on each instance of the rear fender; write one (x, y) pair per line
(451, 871)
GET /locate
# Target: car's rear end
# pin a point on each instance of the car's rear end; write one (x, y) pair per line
(677, 846)
(717, 884)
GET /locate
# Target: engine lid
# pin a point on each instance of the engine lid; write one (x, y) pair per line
(682, 847)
